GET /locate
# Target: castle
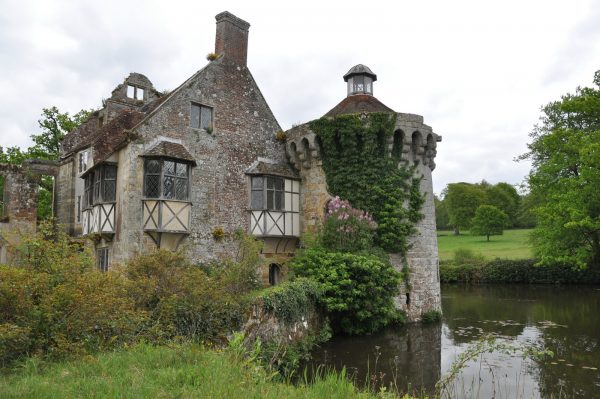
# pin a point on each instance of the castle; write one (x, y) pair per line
(187, 168)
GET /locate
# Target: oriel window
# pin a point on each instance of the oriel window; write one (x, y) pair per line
(166, 179)
(267, 192)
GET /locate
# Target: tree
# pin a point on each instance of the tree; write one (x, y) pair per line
(565, 175)
(462, 199)
(488, 221)
(505, 197)
(442, 220)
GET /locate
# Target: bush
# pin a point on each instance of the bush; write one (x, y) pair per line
(516, 271)
(347, 229)
(432, 316)
(290, 300)
(55, 304)
(358, 290)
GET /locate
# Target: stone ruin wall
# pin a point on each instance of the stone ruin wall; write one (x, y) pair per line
(20, 199)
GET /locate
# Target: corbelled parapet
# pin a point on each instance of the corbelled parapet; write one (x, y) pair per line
(302, 147)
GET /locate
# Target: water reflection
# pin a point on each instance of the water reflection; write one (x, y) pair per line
(406, 357)
(561, 319)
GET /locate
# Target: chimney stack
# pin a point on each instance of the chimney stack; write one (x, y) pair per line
(231, 40)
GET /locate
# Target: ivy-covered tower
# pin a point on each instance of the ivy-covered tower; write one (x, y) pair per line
(381, 161)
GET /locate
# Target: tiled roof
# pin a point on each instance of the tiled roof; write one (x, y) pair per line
(267, 167)
(357, 104)
(168, 149)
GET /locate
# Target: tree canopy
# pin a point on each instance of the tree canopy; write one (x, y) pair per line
(565, 174)
(488, 221)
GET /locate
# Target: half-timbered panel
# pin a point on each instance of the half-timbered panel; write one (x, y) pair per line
(166, 216)
(99, 218)
(273, 218)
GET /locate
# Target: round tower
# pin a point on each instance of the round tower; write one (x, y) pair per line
(411, 145)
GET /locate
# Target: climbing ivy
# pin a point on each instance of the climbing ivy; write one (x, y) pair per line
(358, 168)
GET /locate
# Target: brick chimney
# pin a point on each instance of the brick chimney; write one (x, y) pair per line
(231, 40)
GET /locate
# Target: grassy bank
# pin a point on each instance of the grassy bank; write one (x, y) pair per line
(145, 371)
(513, 244)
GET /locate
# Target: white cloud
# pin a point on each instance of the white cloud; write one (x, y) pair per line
(477, 71)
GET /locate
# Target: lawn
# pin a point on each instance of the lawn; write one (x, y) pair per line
(513, 244)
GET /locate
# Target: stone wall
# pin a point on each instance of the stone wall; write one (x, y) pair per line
(244, 129)
(20, 197)
(267, 327)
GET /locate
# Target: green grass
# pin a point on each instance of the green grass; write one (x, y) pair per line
(182, 371)
(513, 244)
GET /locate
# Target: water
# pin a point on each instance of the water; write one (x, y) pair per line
(565, 320)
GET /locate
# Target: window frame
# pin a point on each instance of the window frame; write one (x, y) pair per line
(94, 186)
(268, 192)
(200, 125)
(161, 178)
(135, 92)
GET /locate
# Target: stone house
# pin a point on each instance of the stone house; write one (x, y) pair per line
(187, 168)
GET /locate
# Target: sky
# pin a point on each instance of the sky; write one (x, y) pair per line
(477, 71)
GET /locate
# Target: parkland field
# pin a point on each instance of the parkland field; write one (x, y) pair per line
(513, 244)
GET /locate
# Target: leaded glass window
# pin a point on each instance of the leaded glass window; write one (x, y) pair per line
(201, 117)
(100, 185)
(267, 192)
(166, 179)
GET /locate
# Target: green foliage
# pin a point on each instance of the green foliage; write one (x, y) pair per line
(509, 271)
(55, 304)
(347, 229)
(488, 220)
(358, 290)
(292, 299)
(432, 316)
(358, 170)
(442, 219)
(565, 175)
(174, 371)
(462, 199)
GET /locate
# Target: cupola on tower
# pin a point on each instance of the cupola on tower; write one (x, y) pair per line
(360, 80)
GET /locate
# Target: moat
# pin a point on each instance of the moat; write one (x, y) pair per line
(563, 320)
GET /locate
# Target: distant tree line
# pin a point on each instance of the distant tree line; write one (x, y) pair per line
(457, 207)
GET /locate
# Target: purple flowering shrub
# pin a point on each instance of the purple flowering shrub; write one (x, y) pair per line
(347, 229)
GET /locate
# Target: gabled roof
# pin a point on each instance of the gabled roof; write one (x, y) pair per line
(167, 149)
(357, 104)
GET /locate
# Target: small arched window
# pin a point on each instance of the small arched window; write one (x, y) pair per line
(274, 274)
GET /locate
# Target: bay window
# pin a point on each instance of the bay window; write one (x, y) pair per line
(166, 179)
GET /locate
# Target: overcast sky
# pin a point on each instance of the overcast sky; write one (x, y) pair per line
(477, 71)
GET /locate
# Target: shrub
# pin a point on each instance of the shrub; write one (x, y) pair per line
(290, 300)
(358, 290)
(347, 229)
(212, 56)
(432, 316)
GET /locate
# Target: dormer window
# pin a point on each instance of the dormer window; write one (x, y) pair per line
(134, 92)
(201, 117)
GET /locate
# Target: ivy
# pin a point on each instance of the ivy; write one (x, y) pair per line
(291, 300)
(358, 168)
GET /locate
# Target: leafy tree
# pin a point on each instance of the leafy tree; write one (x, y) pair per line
(505, 197)
(462, 199)
(565, 155)
(442, 220)
(488, 221)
